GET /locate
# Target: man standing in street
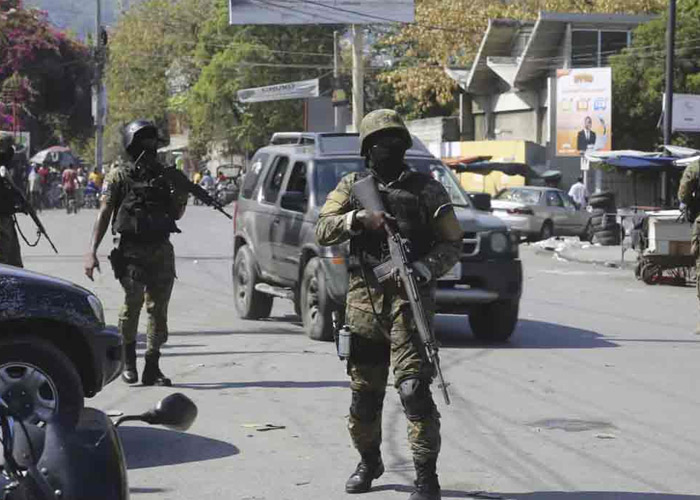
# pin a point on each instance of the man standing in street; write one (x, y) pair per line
(689, 195)
(379, 316)
(10, 252)
(579, 193)
(143, 208)
(69, 181)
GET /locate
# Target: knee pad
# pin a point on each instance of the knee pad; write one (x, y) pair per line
(366, 406)
(416, 398)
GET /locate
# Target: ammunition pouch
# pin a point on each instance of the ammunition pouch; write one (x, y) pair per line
(365, 351)
(118, 262)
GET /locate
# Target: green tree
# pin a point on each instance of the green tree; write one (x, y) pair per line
(638, 79)
(239, 57)
(151, 49)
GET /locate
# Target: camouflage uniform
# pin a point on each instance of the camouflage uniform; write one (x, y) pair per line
(391, 334)
(149, 274)
(10, 253)
(687, 192)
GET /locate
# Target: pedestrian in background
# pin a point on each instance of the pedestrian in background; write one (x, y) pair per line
(579, 193)
(34, 188)
(381, 323)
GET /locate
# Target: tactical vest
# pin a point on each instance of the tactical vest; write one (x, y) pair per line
(403, 201)
(145, 211)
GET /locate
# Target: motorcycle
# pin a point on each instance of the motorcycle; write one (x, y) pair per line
(84, 462)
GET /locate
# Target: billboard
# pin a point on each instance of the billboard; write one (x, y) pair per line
(584, 110)
(292, 90)
(320, 11)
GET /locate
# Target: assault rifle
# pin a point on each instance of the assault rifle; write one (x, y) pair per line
(26, 207)
(366, 192)
(180, 182)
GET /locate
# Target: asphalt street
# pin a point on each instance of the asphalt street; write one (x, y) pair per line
(594, 398)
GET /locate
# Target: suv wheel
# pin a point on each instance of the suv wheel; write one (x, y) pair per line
(316, 306)
(250, 304)
(39, 382)
(496, 321)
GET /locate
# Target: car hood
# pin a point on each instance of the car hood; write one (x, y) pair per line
(32, 278)
(473, 221)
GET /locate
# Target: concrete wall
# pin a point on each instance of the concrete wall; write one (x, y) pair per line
(435, 130)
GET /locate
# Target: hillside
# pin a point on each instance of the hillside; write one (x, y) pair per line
(77, 15)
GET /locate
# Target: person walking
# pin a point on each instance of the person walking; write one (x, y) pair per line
(579, 193)
(689, 195)
(145, 208)
(379, 316)
(34, 188)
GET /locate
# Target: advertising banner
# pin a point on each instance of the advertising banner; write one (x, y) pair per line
(320, 11)
(292, 90)
(584, 110)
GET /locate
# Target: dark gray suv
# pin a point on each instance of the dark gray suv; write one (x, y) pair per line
(276, 253)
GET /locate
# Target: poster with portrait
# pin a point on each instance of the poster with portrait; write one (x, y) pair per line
(584, 110)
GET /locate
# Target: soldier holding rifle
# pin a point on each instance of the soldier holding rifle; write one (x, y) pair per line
(380, 312)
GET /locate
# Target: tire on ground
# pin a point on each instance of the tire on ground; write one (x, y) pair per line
(494, 322)
(316, 305)
(34, 352)
(250, 304)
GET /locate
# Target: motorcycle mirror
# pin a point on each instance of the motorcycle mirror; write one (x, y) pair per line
(175, 411)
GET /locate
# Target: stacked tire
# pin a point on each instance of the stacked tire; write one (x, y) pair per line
(606, 230)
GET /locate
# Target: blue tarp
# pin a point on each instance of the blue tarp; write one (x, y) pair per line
(642, 162)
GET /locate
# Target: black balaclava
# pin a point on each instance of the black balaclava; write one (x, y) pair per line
(385, 155)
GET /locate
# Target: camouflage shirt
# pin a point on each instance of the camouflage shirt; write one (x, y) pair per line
(690, 187)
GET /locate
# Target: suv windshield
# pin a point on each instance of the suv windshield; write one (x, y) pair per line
(329, 172)
(529, 196)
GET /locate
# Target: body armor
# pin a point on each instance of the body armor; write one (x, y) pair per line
(145, 212)
(403, 201)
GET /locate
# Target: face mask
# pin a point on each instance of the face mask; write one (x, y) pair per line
(386, 157)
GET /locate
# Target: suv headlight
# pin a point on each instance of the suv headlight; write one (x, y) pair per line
(499, 242)
(97, 308)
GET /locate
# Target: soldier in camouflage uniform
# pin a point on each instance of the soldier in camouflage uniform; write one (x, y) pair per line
(10, 253)
(143, 208)
(379, 316)
(689, 195)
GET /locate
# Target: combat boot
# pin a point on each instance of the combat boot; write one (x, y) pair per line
(427, 486)
(151, 372)
(129, 374)
(369, 469)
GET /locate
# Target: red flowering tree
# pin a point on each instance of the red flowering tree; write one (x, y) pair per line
(45, 77)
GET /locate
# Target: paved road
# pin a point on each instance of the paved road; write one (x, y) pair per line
(594, 398)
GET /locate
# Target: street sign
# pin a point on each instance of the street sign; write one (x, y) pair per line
(320, 11)
(292, 90)
(686, 113)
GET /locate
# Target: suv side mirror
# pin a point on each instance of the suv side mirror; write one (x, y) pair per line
(294, 200)
(481, 201)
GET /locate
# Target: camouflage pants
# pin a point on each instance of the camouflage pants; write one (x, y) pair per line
(695, 247)
(149, 278)
(10, 253)
(393, 340)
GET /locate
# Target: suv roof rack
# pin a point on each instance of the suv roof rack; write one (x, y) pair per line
(292, 138)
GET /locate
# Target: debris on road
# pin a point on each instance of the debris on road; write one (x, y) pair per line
(606, 436)
(263, 427)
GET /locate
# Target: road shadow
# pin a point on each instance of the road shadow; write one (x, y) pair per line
(454, 331)
(146, 447)
(266, 384)
(135, 490)
(262, 331)
(546, 495)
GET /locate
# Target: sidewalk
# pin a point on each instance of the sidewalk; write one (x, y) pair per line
(572, 249)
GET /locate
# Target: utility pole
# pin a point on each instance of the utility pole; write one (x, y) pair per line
(336, 81)
(99, 89)
(358, 91)
(668, 95)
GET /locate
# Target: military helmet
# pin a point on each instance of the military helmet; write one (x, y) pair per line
(136, 129)
(379, 121)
